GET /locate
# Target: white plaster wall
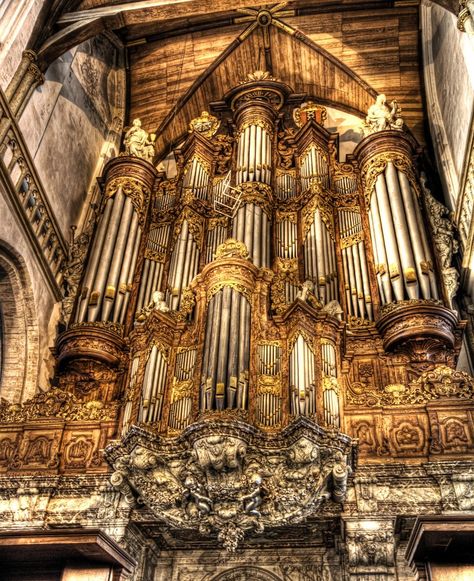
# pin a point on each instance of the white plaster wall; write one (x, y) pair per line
(17, 19)
(44, 301)
(69, 118)
(448, 57)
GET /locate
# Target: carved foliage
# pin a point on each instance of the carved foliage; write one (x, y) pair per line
(217, 479)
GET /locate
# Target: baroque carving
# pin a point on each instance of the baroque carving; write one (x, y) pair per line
(309, 110)
(138, 142)
(217, 480)
(441, 382)
(206, 124)
(381, 117)
(57, 403)
(445, 243)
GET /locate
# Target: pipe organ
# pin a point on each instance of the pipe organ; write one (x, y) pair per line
(248, 313)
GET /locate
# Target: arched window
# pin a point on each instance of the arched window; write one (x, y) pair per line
(19, 344)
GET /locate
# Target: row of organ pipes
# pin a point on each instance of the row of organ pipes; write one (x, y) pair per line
(181, 240)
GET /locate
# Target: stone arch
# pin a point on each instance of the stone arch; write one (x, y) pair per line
(19, 337)
(245, 573)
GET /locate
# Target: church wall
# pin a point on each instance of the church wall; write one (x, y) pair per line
(449, 76)
(44, 302)
(80, 106)
(18, 20)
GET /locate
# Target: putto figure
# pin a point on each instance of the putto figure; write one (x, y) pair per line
(381, 117)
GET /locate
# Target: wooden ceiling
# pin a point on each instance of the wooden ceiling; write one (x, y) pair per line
(184, 54)
(341, 57)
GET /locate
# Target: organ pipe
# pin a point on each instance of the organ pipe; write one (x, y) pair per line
(110, 269)
(225, 371)
(154, 382)
(320, 259)
(356, 275)
(402, 253)
(302, 379)
(329, 384)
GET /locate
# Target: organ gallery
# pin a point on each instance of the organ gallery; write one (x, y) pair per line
(259, 352)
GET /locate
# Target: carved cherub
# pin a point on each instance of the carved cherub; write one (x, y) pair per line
(334, 309)
(157, 303)
(306, 288)
(253, 499)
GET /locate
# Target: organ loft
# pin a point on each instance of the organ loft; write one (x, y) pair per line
(256, 358)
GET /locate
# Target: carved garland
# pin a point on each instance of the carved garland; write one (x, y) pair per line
(137, 191)
(377, 164)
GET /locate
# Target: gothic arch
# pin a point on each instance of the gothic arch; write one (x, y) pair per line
(19, 340)
(245, 573)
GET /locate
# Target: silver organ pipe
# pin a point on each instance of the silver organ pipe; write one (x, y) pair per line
(155, 255)
(421, 249)
(314, 167)
(153, 388)
(302, 379)
(320, 259)
(254, 162)
(216, 235)
(269, 400)
(287, 236)
(131, 389)
(127, 271)
(403, 257)
(329, 384)
(183, 265)
(225, 372)
(181, 397)
(196, 178)
(354, 260)
(285, 185)
(109, 273)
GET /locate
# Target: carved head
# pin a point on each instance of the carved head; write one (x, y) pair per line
(137, 123)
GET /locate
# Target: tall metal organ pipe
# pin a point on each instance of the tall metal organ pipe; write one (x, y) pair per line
(184, 264)
(251, 224)
(153, 387)
(269, 400)
(109, 272)
(302, 379)
(354, 260)
(403, 259)
(320, 259)
(329, 381)
(225, 370)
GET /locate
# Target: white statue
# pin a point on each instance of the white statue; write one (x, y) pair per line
(138, 143)
(306, 288)
(381, 117)
(158, 302)
(334, 309)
